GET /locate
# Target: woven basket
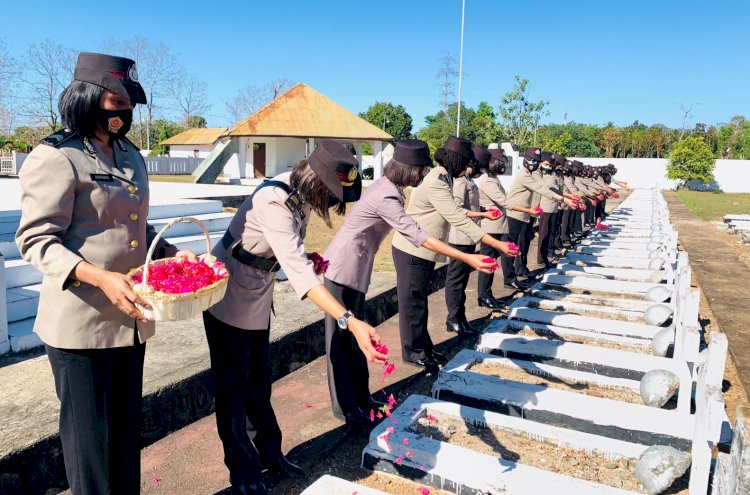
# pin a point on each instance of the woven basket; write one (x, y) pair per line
(173, 307)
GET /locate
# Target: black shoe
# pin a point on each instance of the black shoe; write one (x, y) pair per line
(452, 326)
(438, 357)
(489, 302)
(285, 467)
(549, 265)
(250, 489)
(429, 364)
(358, 419)
(515, 285)
(524, 273)
(466, 327)
(373, 403)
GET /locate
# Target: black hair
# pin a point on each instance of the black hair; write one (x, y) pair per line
(314, 192)
(403, 175)
(79, 104)
(453, 162)
(495, 165)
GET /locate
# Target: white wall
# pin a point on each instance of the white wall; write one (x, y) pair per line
(188, 150)
(289, 151)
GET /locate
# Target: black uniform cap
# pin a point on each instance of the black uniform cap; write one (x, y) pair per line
(412, 152)
(336, 167)
(116, 74)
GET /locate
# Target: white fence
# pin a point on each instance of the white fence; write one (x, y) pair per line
(170, 165)
(166, 165)
(732, 176)
(11, 164)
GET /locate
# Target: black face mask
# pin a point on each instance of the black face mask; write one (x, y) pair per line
(546, 170)
(530, 167)
(558, 171)
(116, 123)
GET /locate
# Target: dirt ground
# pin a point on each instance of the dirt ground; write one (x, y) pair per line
(528, 332)
(518, 447)
(517, 375)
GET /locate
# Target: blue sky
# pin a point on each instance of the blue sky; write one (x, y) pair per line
(596, 60)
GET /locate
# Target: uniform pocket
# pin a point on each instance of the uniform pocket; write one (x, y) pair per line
(247, 277)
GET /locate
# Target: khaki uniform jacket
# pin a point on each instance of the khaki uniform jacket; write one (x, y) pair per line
(550, 205)
(584, 186)
(77, 206)
(433, 208)
(492, 195)
(265, 227)
(520, 194)
(466, 196)
(352, 251)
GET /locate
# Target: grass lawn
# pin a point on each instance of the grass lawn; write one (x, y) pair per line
(713, 206)
(187, 178)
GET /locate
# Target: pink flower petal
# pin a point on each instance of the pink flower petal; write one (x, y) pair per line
(399, 459)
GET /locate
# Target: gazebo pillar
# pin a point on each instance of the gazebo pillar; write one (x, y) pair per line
(358, 152)
(377, 167)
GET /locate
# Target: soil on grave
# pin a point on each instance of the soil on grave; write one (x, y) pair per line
(519, 375)
(517, 447)
(530, 333)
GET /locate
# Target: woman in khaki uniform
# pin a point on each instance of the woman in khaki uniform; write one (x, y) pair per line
(265, 235)
(352, 255)
(492, 195)
(433, 207)
(83, 225)
(466, 196)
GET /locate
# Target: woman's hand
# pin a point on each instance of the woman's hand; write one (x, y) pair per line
(493, 214)
(570, 203)
(118, 289)
(506, 248)
(365, 336)
(476, 261)
(186, 253)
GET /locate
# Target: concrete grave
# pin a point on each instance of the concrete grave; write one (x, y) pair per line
(403, 450)
(331, 485)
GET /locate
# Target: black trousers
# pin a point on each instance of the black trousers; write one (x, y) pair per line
(517, 234)
(521, 262)
(590, 209)
(599, 210)
(456, 280)
(578, 221)
(348, 376)
(555, 225)
(484, 280)
(239, 361)
(545, 229)
(413, 275)
(100, 417)
(565, 224)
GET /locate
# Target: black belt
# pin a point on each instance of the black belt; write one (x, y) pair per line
(245, 257)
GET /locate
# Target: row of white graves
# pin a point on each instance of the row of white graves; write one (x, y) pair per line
(597, 382)
(739, 224)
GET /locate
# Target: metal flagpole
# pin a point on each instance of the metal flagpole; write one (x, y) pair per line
(460, 68)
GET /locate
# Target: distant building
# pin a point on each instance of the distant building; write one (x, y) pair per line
(274, 138)
(193, 143)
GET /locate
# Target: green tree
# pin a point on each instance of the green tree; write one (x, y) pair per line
(485, 127)
(393, 119)
(163, 129)
(197, 121)
(442, 125)
(691, 159)
(520, 117)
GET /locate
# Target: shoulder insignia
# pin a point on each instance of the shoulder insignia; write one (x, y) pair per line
(447, 179)
(59, 137)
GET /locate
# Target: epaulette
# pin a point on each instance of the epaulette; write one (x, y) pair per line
(59, 137)
(447, 179)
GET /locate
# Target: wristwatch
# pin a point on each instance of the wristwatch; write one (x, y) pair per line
(343, 320)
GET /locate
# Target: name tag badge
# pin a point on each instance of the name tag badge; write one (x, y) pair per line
(102, 177)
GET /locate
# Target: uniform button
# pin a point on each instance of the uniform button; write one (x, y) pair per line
(134, 243)
(132, 189)
(76, 284)
(134, 216)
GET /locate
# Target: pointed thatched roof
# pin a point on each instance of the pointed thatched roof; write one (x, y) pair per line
(302, 112)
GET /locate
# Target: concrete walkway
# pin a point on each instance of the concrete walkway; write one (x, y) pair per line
(723, 278)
